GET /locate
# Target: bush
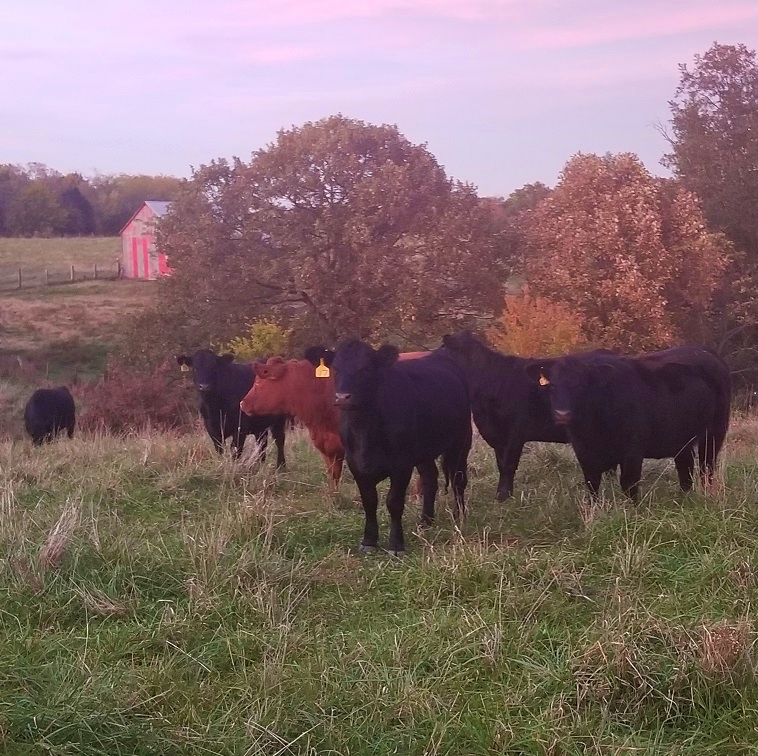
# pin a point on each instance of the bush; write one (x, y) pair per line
(535, 326)
(263, 338)
(126, 400)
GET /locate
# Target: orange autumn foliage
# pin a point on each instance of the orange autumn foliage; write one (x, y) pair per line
(629, 253)
(532, 326)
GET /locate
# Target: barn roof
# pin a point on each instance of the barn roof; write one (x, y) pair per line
(159, 207)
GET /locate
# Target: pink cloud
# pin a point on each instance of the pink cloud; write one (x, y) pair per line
(291, 12)
(273, 54)
(640, 23)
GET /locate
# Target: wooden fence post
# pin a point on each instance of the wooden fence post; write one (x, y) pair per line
(19, 278)
(94, 270)
(72, 273)
(47, 276)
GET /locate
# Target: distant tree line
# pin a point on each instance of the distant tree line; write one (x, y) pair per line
(38, 201)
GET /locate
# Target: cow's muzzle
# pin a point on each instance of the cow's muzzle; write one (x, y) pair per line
(342, 400)
(246, 408)
(562, 417)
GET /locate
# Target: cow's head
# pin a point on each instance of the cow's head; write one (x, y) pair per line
(205, 366)
(465, 349)
(573, 382)
(269, 394)
(359, 370)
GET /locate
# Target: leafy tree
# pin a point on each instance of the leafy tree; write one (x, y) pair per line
(532, 326)
(630, 254)
(80, 216)
(12, 180)
(511, 218)
(338, 228)
(714, 140)
(34, 210)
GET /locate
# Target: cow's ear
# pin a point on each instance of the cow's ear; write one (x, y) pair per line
(260, 369)
(315, 354)
(226, 359)
(386, 356)
(538, 373)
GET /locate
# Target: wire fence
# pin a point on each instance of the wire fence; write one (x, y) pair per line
(56, 275)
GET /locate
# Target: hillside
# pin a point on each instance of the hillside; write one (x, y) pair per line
(58, 333)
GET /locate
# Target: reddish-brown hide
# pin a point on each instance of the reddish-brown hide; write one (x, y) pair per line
(291, 387)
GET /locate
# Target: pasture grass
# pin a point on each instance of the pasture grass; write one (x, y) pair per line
(83, 251)
(59, 335)
(159, 600)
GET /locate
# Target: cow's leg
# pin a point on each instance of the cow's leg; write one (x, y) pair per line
(508, 458)
(685, 467)
(213, 427)
(370, 501)
(428, 476)
(70, 430)
(631, 474)
(277, 433)
(333, 464)
(395, 506)
(459, 478)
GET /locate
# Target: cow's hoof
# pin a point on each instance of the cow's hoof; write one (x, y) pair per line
(396, 552)
(503, 495)
(366, 549)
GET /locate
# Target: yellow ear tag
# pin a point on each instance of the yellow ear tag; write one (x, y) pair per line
(322, 371)
(544, 381)
(184, 368)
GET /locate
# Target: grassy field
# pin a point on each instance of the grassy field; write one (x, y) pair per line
(158, 600)
(59, 334)
(41, 253)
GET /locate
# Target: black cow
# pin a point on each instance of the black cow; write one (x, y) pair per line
(397, 416)
(221, 385)
(621, 410)
(509, 408)
(48, 413)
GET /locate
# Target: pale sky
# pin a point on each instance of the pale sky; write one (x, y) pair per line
(502, 91)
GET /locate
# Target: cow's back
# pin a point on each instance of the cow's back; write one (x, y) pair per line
(49, 410)
(420, 410)
(690, 393)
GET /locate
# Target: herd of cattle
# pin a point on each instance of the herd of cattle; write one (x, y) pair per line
(386, 413)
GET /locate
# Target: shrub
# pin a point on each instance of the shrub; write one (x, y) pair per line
(531, 326)
(126, 400)
(262, 339)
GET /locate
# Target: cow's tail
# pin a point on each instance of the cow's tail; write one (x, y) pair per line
(446, 472)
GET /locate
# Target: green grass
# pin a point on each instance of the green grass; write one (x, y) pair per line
(41, 253)
(158, 600)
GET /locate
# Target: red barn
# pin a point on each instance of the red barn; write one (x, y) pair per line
(139, 257)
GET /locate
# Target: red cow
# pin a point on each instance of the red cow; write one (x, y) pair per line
(293, 384)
